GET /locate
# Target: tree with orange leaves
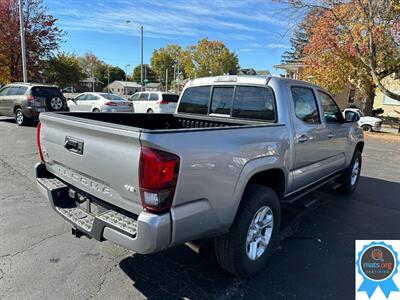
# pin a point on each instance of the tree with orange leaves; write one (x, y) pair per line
(352, 42)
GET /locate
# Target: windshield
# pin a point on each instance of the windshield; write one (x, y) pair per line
(112, 97)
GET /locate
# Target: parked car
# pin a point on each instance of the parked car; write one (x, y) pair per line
(237, 148)
(154, 102)
(365, 122)
(99, 102)
(24, 101)
(69, 89)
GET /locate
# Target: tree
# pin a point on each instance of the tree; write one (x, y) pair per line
(148, 74)
(166, 58)
(298, 41)
(90, 63)
(102, 71)
(357, 38)
(42, 36)
(64, 70)
(209, 58)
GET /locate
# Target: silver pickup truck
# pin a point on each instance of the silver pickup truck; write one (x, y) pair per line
(220, 167)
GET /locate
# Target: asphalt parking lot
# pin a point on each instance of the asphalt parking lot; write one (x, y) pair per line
(40, 259)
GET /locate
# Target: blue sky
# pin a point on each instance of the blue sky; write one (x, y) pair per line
(257, 31)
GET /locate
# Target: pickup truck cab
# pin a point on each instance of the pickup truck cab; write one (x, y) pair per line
(236, 149)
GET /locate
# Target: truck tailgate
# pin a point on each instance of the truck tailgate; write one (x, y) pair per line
(96, 157)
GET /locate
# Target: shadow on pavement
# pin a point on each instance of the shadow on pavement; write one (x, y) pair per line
(12, 121)
(315, 261)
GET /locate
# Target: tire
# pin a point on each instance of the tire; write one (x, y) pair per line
(20, 118)
(351, 175)
(367, 128)
(55, 104)
(231, 249)
(96, 110)
(150, 111)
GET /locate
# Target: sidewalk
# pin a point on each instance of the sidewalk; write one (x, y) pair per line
(390, 128)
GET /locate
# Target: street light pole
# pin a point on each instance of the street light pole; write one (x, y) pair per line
(126, 77)
(166, 79)
(22, 34)
(141, 57)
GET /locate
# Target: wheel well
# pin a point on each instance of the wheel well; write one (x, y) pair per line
(274, 179)
(360, 146)
(15, 108)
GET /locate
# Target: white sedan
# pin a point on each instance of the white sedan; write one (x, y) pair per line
(99, 102)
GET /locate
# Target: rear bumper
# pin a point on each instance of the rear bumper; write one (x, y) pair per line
(377, 128)
(146, 233)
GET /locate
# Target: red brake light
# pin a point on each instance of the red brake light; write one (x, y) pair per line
(39, 146)
(162, 101)
(30, 98)
(110, 103)
(158, 174)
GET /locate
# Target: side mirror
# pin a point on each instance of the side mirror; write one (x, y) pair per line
(352, 116)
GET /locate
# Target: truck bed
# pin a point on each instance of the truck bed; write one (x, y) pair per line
(161, 122)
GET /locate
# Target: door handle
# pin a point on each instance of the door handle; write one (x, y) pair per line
(330, 135)
(302, 138)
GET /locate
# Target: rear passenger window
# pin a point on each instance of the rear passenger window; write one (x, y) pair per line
(221, 101)
(153, 97)
(305, 105)
(256, 103)
(143, 97)
(195, 100)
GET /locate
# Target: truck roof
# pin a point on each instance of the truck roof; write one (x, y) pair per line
(244, 79)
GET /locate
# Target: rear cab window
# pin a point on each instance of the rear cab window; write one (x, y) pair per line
(242, 102)
(305, 105)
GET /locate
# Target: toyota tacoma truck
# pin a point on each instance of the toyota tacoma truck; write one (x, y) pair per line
(235, 150)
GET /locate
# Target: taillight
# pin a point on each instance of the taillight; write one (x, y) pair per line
(109, 103)
(30, 98)
(158, 174)
(162, 101)
(39, 146)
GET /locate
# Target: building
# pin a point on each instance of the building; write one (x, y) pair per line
(123, 87)
(153, 86)
(391, 107)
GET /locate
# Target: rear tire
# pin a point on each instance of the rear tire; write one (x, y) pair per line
(150, 111)
(367, 128)
(96, 110)
(235, 250)
(20, 118)
(351, 175)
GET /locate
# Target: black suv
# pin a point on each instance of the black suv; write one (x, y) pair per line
(25, 101)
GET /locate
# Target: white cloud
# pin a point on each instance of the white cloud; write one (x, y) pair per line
(278, 46)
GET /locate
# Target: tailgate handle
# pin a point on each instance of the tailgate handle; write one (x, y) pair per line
(73, 145)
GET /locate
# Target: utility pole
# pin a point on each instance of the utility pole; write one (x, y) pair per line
(108, 78)
(141, 57)
(178, 77)
(22, 34)
(166, 79)
(126, 78)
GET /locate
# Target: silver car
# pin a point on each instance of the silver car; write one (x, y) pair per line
(99, 102)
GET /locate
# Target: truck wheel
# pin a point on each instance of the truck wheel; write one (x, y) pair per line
(367, 128)
(350, 176)
(20, 119)
(245, 250)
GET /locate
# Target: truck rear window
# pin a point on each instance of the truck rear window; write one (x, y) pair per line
(244, 102)
(195, 100)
